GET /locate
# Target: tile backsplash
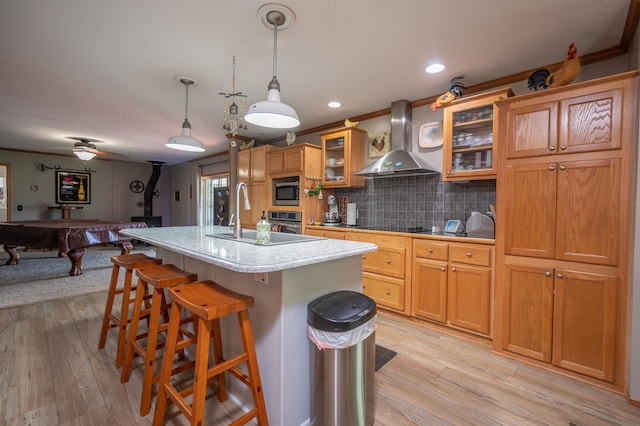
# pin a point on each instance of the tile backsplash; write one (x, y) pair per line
(397, 203)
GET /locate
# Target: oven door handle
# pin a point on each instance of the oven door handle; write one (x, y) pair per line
(289, 224)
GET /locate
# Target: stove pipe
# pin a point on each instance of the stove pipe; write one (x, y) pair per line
(150, 188)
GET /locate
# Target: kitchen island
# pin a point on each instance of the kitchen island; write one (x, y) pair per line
(283, 279)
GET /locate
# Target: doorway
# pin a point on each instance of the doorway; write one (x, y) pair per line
(215, 200)
(5, 204)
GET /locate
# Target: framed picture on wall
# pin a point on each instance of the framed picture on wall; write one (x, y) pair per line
(73, 187)
(379, 144)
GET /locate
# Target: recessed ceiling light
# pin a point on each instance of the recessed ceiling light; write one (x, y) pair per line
(334, 104)
(435, 68)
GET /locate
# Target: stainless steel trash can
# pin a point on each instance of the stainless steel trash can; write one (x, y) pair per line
(341, 329)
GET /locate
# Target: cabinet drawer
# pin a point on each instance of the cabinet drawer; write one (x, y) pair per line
(315, 233)
(385, 261)
(336, 235)
(427, 249)
(388, 292)
(472, 255)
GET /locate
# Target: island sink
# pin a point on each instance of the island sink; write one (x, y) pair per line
(277, 238)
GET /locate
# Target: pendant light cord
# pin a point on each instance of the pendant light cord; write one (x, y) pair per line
(186, 105)
(275, 47)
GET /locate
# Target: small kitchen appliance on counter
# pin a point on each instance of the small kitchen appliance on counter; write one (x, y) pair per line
(480, 226)
(332, 217)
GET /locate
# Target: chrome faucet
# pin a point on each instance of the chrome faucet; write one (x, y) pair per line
(236, 225)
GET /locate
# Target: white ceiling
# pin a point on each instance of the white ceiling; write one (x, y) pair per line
(107, 69)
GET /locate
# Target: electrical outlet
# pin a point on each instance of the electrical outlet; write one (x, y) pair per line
(262, 277)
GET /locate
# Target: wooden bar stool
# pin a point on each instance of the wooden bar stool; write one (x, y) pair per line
(146, 344)
(207, 302)
(110, 320)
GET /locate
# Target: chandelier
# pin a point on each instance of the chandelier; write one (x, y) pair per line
(234, 105)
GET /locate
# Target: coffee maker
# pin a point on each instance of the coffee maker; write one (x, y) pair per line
(332, 217)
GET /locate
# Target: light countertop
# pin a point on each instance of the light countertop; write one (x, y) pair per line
(426, 235)
(194, 241)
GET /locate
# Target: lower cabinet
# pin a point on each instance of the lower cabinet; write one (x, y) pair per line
(452, 284)
(386, 271)
(336, 235)
(562, 314)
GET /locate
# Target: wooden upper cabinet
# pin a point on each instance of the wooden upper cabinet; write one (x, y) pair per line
(565, 210)
(533, 130)
(251, 170)
(259, 164)
(550, 125)
(285, 161)
(531, 209)
(591, 122)
(244, 166)
(588, 211)
(468, 137)
(343, 155)
(251, 164)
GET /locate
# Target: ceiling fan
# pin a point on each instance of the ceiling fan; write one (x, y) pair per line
(85, 149)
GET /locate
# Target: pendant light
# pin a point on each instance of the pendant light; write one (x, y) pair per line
(184, 141)
(273, 113)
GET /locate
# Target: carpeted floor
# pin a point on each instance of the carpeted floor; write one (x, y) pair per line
(42, 275)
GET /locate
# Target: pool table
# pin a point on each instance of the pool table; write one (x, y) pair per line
(70, 237)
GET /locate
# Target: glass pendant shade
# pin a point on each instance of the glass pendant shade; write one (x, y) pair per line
(84, 155)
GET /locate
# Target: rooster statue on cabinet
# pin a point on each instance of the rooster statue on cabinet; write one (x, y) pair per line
(543, 78)
(455, 92)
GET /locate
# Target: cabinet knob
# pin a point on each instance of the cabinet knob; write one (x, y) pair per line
(552, 167)
(563, 147)
(468, 254)
(548, 274)
(429, 250)
(448, 172)
(387, 292)
(388, 261)
(443, 269)
(562, 167)
(364, 257)
(560, 276)
(453, 269)
(552, 148)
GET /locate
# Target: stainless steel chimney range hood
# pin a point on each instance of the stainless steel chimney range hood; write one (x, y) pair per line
(399, 162)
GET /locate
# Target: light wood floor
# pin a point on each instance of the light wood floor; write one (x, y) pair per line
(51, 373)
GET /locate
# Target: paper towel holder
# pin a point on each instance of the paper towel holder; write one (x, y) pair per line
(352, 214)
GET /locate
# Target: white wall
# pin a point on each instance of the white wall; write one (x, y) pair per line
(111, 198)
(186, 180)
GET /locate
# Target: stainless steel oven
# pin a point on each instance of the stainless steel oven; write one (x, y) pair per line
(286, 221)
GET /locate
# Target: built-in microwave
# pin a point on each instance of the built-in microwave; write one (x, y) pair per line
(286, 191)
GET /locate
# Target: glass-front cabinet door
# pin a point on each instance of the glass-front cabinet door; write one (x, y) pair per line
(468, 137)
(342, 155)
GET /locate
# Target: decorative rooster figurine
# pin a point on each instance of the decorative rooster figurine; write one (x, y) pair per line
(543, 78)
(455, 91)
(291, 138)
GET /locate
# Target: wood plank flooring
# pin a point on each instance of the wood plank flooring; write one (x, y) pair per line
(51, 373)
